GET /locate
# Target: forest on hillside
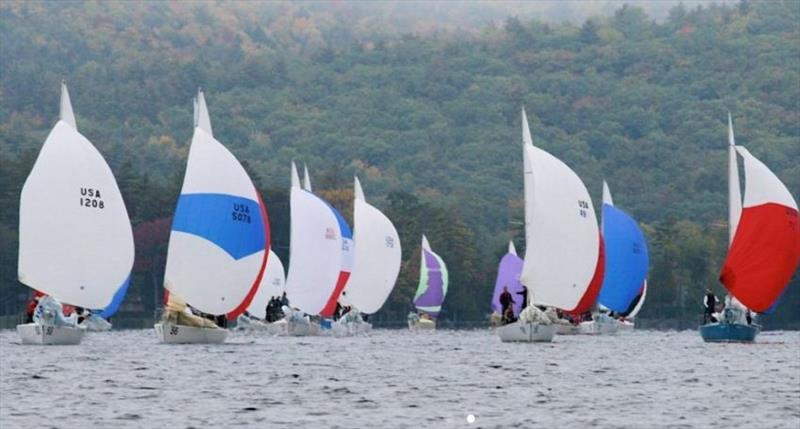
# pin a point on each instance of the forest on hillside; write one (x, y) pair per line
(429, 121)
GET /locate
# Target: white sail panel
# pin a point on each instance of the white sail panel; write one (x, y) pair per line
(639, 304)
(511, 249)
(762, 186)
(219, 240)
(377, 256)
(561, 232)
(273, 283)
(75, 237)
(315, 250)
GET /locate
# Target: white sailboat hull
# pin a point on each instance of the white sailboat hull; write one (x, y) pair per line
(170, 333)
(32, 333)
(592, 327)
(349, 329)
(422, 325)
(626, 326)
(526, 332)
(568, 329)
(293, 329)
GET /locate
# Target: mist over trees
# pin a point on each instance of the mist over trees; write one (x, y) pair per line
(425, 111)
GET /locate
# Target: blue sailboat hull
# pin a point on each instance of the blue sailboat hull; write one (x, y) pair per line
(728, 333)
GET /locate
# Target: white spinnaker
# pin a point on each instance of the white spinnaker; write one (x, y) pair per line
(273, 283)
(377, 256)
(762, 186)
(199, 271)
(70, 247)
(640, 303)
(315, 250)
(561, 233)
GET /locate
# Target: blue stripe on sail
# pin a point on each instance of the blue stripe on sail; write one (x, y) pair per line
(232, 223)
(119, 296)
(627, 260)
(343, 226)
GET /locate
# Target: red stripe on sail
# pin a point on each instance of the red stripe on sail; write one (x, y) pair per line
(763, 256)
(330, 306)
(254, 288)
(590, 296)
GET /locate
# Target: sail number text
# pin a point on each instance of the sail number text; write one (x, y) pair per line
(91, 198)
(241, 213)
(583, 208)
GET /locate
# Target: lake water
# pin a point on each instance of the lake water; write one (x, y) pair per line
(393, 378)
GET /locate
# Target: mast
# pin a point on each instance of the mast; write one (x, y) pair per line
(734, 193)
(527, 175)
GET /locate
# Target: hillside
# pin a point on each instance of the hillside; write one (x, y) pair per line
(428, 120)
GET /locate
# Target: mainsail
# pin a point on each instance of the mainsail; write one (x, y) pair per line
(315, 250)
(377, 258)
(81, 254)
(273, 283)
(508, 275)
(219, 243)
(432, 281)
(563, 264)
(626, 257)
(765, 250)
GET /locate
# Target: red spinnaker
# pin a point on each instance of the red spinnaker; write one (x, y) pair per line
(763, 256)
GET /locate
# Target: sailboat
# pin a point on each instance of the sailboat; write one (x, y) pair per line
(347, 251)
(315, 257)
(376, 262)
(219, 243)
(563, 264)
(764, 246)
(273, 284)
(80, 254)
(627, 262)
(432, 289)
(508, 274)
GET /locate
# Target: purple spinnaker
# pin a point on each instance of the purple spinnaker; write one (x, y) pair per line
(433, 296)
(508, 276)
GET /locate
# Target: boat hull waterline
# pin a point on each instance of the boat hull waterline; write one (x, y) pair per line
(728, 333)
(181, 334)
(526, 332)
(33, 333)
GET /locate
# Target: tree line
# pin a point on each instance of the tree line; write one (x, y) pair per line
(430, 122)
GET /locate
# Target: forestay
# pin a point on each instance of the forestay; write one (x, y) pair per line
(433, 281)
(219, 243)
(563, 258)
(315, 250)
(75, 237)
(377, 256)
(626, 257)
